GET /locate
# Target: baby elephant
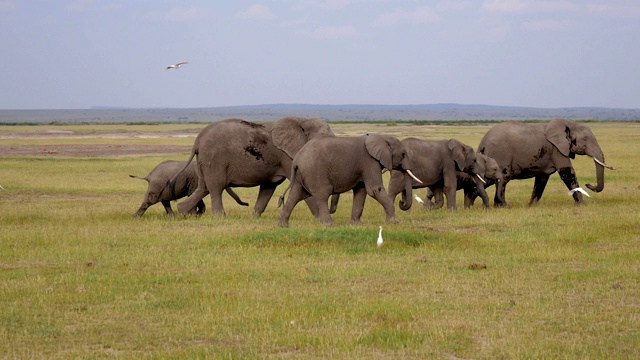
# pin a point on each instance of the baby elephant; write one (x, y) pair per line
(159, 191)
(489, 170)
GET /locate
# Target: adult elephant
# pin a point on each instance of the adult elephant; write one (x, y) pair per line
(238, 153)
(526, 151)
(471, 185)
(328, 166)
(436, 164)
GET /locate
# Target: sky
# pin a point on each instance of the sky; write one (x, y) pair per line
(76, 54)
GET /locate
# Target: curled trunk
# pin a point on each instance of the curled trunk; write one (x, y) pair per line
(407, 193)
(598, 159)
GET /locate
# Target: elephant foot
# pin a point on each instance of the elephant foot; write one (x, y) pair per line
(392, 220)
(283, 223)
(356, 222)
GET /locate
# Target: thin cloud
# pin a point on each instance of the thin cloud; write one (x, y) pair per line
(422, 14)
(529, 6)
(256, 12)
(178, 14)
(334, 32)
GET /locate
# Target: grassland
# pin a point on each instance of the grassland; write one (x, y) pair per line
(79, 278)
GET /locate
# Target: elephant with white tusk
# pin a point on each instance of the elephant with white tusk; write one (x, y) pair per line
(436, 163)
(333, 165)
(537, 151)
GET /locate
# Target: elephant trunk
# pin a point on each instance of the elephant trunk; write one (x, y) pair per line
(407, 193)
(598, 159)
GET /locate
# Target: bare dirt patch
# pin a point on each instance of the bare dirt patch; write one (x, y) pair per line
(93, 150)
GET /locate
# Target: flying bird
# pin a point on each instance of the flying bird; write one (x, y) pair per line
(418, 199)
(379, 242)
(175, 66)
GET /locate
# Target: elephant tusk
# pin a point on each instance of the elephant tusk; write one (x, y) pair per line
(413, 176)
(603, 164)
(481, 179)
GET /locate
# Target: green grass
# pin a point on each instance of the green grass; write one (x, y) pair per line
(80, 279)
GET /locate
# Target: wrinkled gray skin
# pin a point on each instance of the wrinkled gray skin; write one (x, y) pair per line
(335, 165)
(186, 183)
(526, 151)
(490, 172)
(436, 164)
(239, 153)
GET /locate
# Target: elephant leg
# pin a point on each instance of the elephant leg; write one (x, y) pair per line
(385, 200)
(145, 205)
(568, 176)
(468, 200)
(359, 198)
(319, 202)
(439, 199)
(167, 207)
(538, 188)
(187, 206)
(450, 192)
(499, 199)
(264, 195)
(296, 193)
(334, 203)
(201, 207)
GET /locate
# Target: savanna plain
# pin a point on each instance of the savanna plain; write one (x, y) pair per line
(80, 278)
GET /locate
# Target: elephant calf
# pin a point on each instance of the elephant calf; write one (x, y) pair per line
(489, 170)
(159, 191)
(436, 164)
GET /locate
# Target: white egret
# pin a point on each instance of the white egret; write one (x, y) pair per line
(175, 66)
(379, 242)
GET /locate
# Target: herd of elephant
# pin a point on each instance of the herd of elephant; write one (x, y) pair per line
(319, 165)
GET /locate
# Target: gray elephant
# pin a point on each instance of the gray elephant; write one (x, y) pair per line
(526, 151)
(490, 172)
(436, 164)
(239, 153)
(185, 184)
(333, 165)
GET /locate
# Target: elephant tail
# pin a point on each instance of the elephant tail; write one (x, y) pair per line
(281, 199)
(138, 177)
(171, 184)
(293, 176)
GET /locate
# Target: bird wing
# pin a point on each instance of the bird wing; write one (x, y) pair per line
(181, 63)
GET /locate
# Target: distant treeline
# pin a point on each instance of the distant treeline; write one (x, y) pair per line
(428, 114)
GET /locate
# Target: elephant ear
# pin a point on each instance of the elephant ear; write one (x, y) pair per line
(291, 133)
(288, 135)
(457, 153)
(378, 147)
(558, 133)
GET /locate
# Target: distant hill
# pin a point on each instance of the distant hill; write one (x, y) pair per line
(272, 112)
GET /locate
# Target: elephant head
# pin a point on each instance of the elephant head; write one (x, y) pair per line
(465, 158)
(571, 138)
(291, 133)
(390, 152)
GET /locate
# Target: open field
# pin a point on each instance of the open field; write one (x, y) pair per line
(79, 278)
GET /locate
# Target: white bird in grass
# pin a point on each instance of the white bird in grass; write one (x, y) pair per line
(418, 199)
(175, 66)
(579, 190)
(379, 242)
(3, 189)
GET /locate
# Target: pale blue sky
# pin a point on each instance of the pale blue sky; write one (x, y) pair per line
(81, 53)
